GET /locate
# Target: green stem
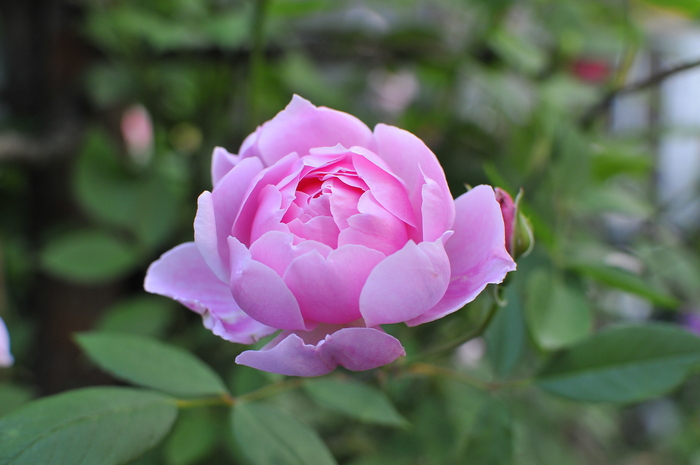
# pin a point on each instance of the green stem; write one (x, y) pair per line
(222, 400)
(476, 332)
(271, 389)
(427, 369)
(257, 58)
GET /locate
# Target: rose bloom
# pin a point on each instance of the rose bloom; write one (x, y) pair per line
(6, 359)
(326, 230)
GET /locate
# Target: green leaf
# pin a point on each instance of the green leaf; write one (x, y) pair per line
(92, 426)
(627, 282)
(192, 439)
(491, 440)
(557, 312)
(12, 397)
(687, 7)
(356, 400)
(506, 335)
(102, 185)
(623, 364)
(269, 436)
(144, 315)
(88, 257)
(146, 205)
(151, 363)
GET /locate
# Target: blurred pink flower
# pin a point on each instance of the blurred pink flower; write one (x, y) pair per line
(137, 131)
(326, 230)
(6, 359)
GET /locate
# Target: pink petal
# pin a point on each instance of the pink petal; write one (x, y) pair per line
(406, 284)
(6, 359)
(356, 349)
(389, 190)
(476, 250)
(281, 171)
(276, 250)
(260, 292)
(269, 214)
(216, 212)
(301, 126)
(374, 227)
(182, 274)
(343, 202)
(221, 163)
(328, 289)
(321, 229)
(437, 214)
(411, 160)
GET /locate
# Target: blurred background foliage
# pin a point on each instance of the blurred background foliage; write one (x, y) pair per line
(514, 93)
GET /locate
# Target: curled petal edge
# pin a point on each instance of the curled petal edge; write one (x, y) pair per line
(357, 349)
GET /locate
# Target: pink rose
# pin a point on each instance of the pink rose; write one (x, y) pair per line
(6, 359)
(327, 230)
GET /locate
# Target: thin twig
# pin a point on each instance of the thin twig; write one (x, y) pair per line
(476, 332)
(590, 116)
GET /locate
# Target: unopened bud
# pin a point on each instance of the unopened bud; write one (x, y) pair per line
(519, 236)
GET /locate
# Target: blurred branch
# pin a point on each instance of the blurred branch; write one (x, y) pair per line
(590, 116)
(17, 146)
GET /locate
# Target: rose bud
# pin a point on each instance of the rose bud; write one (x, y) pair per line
(326, 230)
(518, 230)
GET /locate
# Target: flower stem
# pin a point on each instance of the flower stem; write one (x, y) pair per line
(271, 389)
(476, 332)
(222, 400)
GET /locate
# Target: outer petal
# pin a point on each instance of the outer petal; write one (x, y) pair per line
(356, 349)
(477, 252)
(6, 359)
(328, 289)
(301, 126)
(411, 160)
(182, 274)
(406, 284)
(216, 212)
(260, 291)
(221, 163)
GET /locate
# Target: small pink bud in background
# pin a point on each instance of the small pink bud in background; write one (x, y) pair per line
(6, 359)
(590, 70)
(137, 131)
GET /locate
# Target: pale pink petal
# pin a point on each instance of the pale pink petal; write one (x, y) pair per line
(436, 212)
(260, 292)
(221, 163)
(356, 349)
(412, 161)
(249, 147)
(374, 227)
(217, 211)
(321, 229)
(6, 358)
(277, 250)
(301, 126)
(389, 190)
(476, 250)
(328, 289)
(406, 284)
(182, 274)
(343, 202)
(277, 174)
(269, 214)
